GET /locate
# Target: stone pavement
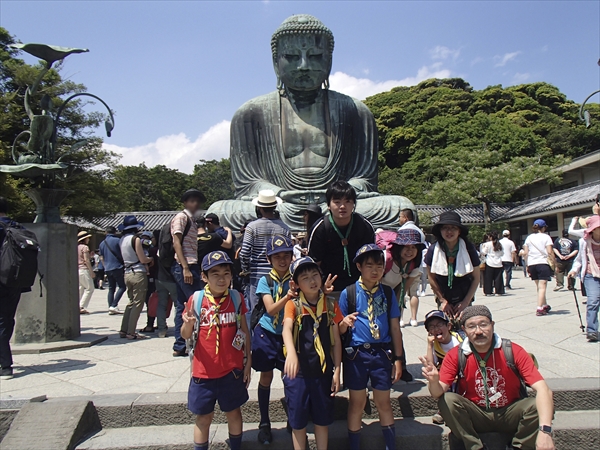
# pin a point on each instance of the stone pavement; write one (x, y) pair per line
(119, 366)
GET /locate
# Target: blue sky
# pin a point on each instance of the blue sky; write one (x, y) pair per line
(176, 71)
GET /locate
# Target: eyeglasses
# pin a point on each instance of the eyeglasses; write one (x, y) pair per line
(437, 326)
(482, 326)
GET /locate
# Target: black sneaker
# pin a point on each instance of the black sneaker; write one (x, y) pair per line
(177, 353)
(406, 376)
(6, 374)
(591, 337)
(264, 434)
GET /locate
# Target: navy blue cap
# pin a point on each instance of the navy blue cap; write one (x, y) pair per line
(302, 262)
(435, 314)
(214, 259)
(278, 244)
(367, 248)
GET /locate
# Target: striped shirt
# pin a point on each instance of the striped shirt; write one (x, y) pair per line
(190, 241)
(253, 255)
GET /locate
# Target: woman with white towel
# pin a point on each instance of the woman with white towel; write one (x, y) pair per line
(452, 265)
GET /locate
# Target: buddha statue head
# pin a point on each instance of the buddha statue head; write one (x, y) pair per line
(302, 49)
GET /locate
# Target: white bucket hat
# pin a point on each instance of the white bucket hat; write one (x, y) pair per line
(267, 199)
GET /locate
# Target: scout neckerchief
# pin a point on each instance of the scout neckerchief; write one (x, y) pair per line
(482, 363)
(316, 322)
(370, 301)
(279, 294)
(216, 307)
(344, 241)
(451, 258)
(404, 273)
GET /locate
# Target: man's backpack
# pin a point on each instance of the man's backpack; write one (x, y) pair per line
(197, 298)
(384, 240)
(18, 257)
(351, 298)
(166, 251)
(329, 304)
(510, 362)
(260, 309)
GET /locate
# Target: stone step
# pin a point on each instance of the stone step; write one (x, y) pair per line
(574, 430)
(408, 400)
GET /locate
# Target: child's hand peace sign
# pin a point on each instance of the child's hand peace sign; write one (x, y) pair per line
(188, 317)
(328, 287)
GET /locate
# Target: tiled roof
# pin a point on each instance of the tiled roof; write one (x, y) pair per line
(469, 214)
(153, 220)
(579, 195)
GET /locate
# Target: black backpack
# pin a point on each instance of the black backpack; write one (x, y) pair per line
(351, 298)
(260, 309)
(166, 251)
(510, 362)
(18, 257)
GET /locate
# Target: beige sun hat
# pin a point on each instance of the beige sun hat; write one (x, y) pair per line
(267, 199)
(83, 235)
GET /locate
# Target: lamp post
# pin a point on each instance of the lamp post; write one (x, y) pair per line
(584, 115)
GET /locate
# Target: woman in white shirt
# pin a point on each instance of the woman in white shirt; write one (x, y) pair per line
(493, 280)
(538, 250)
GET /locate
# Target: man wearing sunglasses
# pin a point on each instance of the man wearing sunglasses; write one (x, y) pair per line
(490, 396)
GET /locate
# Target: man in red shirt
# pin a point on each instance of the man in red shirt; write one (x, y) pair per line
(488, 396)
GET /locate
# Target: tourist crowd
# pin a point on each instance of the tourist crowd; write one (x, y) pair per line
(326, 307)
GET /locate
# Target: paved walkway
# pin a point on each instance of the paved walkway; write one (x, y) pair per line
(118, 366)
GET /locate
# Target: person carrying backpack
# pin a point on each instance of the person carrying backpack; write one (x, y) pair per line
(110, 252)
(491, 396)
(18, 268)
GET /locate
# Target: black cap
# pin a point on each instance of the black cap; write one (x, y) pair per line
(212, 218)
(190, 193)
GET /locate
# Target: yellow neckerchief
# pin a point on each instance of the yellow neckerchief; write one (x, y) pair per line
(370, 300)
(316, 322)
(216, 307)
(279, 294)
(437, 346)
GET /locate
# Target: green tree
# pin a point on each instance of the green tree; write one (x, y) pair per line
(213, 178)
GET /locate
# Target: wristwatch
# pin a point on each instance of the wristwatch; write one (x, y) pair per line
(546, 429)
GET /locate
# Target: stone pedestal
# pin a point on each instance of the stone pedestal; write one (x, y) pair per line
(55, 315)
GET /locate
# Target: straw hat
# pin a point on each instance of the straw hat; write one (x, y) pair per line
(82, 235)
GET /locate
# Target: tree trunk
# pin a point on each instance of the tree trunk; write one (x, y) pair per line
(486, 215)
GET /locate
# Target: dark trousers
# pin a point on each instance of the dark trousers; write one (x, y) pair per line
(508, 267)
(115, 278)
(562, 268)
(493, 280)
(9, 299)
(184, 292)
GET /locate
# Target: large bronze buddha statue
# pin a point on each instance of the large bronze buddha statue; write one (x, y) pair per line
(299, 139)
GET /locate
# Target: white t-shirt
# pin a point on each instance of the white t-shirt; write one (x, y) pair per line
(508, 247)
(394, 277)
(493, 258)
(536, 244)
(446, 347)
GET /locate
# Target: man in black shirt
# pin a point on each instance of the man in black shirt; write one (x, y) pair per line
(211, 242)
(566, 251)
(338, 236)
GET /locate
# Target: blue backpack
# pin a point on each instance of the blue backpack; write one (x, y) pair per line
(197, 298)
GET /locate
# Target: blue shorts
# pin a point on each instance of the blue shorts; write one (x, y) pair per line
(309, 396)
(230, 390)
(540, 272)
(267, 350)
(362, 364)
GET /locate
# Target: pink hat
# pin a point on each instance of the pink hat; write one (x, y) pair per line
(593, 222)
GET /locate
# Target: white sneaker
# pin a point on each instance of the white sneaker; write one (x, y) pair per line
(401, 323)
(114, 310)
(414, 323)
(420, 293)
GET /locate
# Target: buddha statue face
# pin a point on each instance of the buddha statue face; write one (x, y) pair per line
(303, 61)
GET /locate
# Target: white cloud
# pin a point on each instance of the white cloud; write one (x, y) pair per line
(177, 151)
(362, 88)
(477, 61)
(520, 78)
(442, 52)
(502, 60)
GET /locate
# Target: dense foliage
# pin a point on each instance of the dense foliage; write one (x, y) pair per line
(441, 142)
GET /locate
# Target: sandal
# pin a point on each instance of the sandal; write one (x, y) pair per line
(132, 337)
(122, 334)
(83, 311)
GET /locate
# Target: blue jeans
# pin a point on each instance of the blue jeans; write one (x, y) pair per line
(592, 288)
(115, 278)
(9, 300)
(184, 292)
